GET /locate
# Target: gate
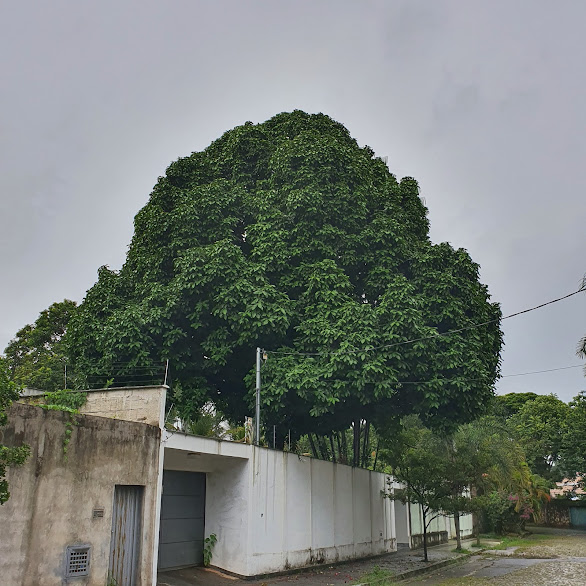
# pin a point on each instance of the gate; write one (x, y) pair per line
(126, 534)
(182, 519)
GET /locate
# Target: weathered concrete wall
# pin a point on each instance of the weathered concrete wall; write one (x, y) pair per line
(142, 404)
(433, 538)
(53, 498)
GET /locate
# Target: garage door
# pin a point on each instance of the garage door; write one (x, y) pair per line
(182, 519)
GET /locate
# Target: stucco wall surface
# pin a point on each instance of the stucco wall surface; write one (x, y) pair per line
(304, 511)
(53, 497)
(141, 404)
(272, 511)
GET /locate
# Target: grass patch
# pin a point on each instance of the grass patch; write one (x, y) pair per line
(460, 550)
(377, 575)
(465, 581)
(506, 542)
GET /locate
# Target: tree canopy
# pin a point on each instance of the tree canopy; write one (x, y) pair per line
(289, 236)
(36, 356)
(540, 426)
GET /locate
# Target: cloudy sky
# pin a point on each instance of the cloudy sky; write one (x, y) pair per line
(483, 102)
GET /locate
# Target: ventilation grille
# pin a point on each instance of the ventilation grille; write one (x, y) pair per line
(78, 560)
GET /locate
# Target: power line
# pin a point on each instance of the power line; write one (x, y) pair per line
(454, 379)
(540, 371)
(434, 336)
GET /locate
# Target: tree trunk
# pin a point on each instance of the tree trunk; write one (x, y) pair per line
(356, 444)
(323, 448)
(339, 442)
(424, 522)
(376, 453)
(332, 447)
(345, 446)
(475, 518)
(457, 527)
(312, 444)
(365, 443)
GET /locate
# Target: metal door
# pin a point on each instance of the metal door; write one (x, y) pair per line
(182, 519)
(126, 535)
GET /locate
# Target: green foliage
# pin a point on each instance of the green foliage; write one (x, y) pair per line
(289, 236)
(540, 425)
(36, 356)
(69, 402)
(510, 404)
(9, 456)
(573, 445)
(208, 546)
(65, 399)
(418, 462)
(207, 422)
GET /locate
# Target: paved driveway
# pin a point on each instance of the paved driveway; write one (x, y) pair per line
(560, 560)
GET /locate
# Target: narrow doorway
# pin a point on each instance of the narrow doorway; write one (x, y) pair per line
(126, 535)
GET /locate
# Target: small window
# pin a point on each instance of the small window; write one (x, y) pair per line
(78, 560)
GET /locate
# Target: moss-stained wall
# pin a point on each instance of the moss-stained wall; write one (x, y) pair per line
(53, 497)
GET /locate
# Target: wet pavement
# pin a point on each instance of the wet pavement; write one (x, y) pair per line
(559, 560)
(397, 563)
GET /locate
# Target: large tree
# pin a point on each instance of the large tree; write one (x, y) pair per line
(289, 236)
(540, 426)
(36, 357)
(573, 445)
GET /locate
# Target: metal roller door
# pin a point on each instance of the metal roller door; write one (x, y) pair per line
(182, 519)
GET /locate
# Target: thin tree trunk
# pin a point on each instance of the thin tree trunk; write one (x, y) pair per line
(365, 443)
(312, 444)
(376, 453)
(338, 441)
(356, 444)
(457, 527)
(424, 517)
(345, 446)
(475, 518)
(332, 447)
(323, 448)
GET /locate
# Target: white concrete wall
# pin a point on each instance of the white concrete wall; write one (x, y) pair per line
(305, 511)
(272, 511)
(465, 526)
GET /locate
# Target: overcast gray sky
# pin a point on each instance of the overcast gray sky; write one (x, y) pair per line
(483, 102)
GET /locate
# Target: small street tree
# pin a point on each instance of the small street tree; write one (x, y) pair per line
(418, 462)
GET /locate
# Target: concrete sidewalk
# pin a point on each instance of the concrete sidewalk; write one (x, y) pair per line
(403, 564)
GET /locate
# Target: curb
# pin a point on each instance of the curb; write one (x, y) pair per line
(435, 566)
(427, 569)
